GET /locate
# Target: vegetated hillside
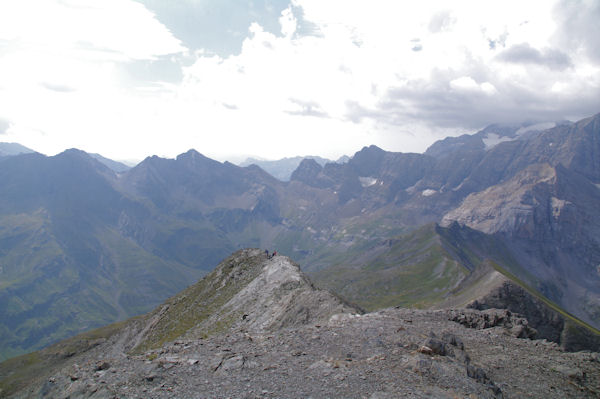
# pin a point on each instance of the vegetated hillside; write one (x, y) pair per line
(453, 267)
(130, 240)
(256, 326)
(65, 265)
(411, 270)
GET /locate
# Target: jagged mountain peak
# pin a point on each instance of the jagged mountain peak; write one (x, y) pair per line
(194, 158)
(368, 161)
(74, 160)
(373, 149)
(307, 171)
(370, 152)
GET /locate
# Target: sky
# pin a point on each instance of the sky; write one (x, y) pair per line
(276, 78)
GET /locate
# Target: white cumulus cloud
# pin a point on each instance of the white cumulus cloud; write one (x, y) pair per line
(338, 75)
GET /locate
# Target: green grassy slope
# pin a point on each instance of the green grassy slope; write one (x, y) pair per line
(199, 301)
(409, 270)
(18, 372)
(48, 293)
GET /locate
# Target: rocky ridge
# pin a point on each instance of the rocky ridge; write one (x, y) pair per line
(247, 291)
(387, 354)
(284, 338)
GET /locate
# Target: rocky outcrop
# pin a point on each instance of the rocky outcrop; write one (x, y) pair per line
(514, 324)
(549, 323)
(247, 291)
(508, 207)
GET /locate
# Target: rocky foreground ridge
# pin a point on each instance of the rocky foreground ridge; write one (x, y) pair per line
(257, 328)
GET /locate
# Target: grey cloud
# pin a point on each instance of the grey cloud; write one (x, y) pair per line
(435, 103)
(4, 125)
(578, 26)
(355, 112)
(308, 108)
(525, 54)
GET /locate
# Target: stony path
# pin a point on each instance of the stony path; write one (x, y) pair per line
(389, 354)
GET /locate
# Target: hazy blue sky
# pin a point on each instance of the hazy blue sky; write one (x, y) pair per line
(275, 78)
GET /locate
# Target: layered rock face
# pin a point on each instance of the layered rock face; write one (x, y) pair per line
(548, 218)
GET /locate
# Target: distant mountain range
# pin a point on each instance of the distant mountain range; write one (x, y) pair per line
(282, 169)
(82, 245)
(12, 149)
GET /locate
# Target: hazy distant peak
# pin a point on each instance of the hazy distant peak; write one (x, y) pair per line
(73, 152)
(190, 154)
(372, 149)
(194, 159)
(10, 149)
(116, 166)
(282, 169)
(310, 162)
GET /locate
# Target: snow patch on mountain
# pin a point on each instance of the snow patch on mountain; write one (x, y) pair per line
(367, 181)
(493, 139)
